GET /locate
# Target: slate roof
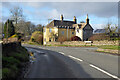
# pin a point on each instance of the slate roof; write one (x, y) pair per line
(99, 31)
(60, 23)
(66, 24)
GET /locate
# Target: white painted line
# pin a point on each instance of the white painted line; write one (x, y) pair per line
(62, 53)
(113, 76)
(75, 58)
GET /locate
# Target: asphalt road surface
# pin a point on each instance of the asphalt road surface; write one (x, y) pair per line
(71, 62)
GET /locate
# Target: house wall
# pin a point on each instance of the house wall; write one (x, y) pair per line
(87, 32)
(67, 33)
(79, 34)
(47, 34)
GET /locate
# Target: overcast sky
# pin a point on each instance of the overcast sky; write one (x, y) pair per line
(100, 13)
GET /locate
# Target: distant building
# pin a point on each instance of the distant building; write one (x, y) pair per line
(99, 31)
(67, 29)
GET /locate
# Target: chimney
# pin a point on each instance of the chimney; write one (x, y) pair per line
(75, 20)
(62, 17)
(87, 20)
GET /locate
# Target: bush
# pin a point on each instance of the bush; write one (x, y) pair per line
(11, 72)
(6, 72)
(13, 59)
(21, 56)
(7, 61)
(75, 38)
(37, 36)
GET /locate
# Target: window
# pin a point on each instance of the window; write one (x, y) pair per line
(49, 39)
(72, 32)
(78, 30)
(50, 30)
(62, 32)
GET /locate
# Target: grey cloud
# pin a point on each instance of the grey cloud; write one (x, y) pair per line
(70, 9)
(100, 9)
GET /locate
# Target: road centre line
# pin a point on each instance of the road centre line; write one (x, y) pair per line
(113, 76)
(75, 58)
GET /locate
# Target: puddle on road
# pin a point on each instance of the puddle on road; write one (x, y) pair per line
(33, 54)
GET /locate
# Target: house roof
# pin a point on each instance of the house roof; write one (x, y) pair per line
(99, 31)
(60, 23)
(66, 24)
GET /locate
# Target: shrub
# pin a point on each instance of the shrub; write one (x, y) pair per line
(12, 64)
(10, 61)
(9, 72)
(6, 72)
(21, 56)
(37, 36)
(75, 38)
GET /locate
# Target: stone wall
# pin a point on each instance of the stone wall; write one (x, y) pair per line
(77, 43)
(108, 50)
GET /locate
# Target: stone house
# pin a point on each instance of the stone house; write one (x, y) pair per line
(67, 29)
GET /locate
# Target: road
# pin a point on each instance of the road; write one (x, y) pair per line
(72, 62)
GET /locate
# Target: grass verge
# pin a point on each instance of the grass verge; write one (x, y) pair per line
(31, 43)
(63, 45)
(113, 47)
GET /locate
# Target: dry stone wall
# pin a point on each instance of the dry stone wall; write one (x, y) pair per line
(77, 43)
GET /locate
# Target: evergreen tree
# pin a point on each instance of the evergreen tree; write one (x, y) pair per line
(9, 30)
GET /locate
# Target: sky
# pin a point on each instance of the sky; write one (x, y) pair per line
(100, 13)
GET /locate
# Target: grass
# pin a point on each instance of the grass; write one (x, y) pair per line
(31, 43)
(72, 45)
(113, 47)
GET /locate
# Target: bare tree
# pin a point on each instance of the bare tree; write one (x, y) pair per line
(111, 28)
(16, 15)
(26, 27)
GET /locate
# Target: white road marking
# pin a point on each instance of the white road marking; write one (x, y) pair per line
(75, 58)
(113, 76)
(62, 53)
